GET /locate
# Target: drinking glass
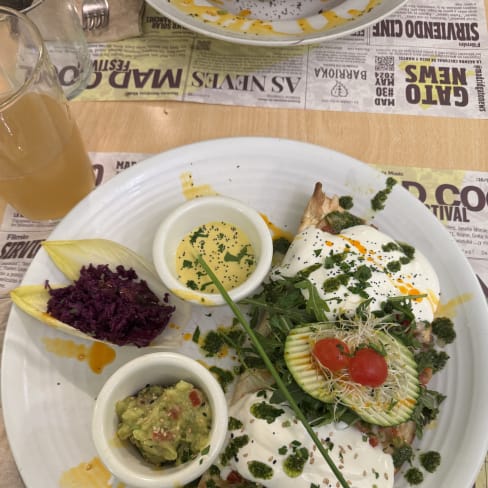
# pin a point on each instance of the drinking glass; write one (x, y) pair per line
(44, 167)
(61, 29)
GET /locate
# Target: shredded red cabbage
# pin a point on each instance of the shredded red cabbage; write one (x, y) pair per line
(111, 306)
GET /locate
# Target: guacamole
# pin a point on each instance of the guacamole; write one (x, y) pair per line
(167, 424)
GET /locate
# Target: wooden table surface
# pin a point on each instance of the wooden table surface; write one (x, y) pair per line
(154, 127)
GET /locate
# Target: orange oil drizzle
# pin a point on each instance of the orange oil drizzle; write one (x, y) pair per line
(360, 248)
(91, 474)
(450, 308)
(277, 231)
(98, 355)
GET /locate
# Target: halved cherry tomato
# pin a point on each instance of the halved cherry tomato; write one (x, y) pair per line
(234, 477)
(332, 353)
(368, 367)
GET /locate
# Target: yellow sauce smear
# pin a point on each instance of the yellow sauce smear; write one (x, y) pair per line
(246, 24)
(91, 474)
(98, 355)
(187, 336)
(277, 232)
(225, 248)
(222, 18)
(190, 190)
(449, 309)
(193, 297)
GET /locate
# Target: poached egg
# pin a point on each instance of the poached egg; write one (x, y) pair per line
(275, 438)
(358, 264)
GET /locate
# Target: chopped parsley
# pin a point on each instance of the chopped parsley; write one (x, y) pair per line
(333, 284)
(334, 259)
(196, 335)
(192, 285)
(224, 376)
(212, 343)
(238, 257)
(199, 233)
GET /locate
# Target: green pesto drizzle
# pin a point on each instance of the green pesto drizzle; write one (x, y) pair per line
(260, 470)
(233, 448)
(346, 202)
(379, 200)
(293, 465)
(265, 411)
(338, 221)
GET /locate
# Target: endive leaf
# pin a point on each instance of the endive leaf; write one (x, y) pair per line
(71, 255)
(33, 299)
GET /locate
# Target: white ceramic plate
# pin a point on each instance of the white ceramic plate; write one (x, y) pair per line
(48, 399)
(276, 22)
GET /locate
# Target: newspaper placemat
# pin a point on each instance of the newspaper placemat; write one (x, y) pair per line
(429, 58)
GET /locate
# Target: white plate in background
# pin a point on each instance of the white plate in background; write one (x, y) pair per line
(275, 22)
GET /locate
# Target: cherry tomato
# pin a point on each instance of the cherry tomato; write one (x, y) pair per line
(234, 477)
(331, 353)
(368, 367)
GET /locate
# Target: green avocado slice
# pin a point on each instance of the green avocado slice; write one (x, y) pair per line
(390, 404)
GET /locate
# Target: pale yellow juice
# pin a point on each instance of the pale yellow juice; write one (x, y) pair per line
(44, 167)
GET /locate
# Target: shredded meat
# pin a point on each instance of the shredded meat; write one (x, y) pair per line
(317, 208)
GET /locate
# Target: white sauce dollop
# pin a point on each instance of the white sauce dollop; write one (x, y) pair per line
(361, 245)
(362, 465)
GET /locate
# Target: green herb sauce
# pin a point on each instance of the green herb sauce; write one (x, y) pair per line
(260, 470)
(233, 448)
(293, 465)
(265, 411)
(379, 200)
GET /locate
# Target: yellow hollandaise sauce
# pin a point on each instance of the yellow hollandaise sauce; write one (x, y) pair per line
(225, 248)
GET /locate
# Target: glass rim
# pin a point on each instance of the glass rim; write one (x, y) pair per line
(32, 6)
(7, 99)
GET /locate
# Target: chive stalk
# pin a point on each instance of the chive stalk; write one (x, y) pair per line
(279, 382)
